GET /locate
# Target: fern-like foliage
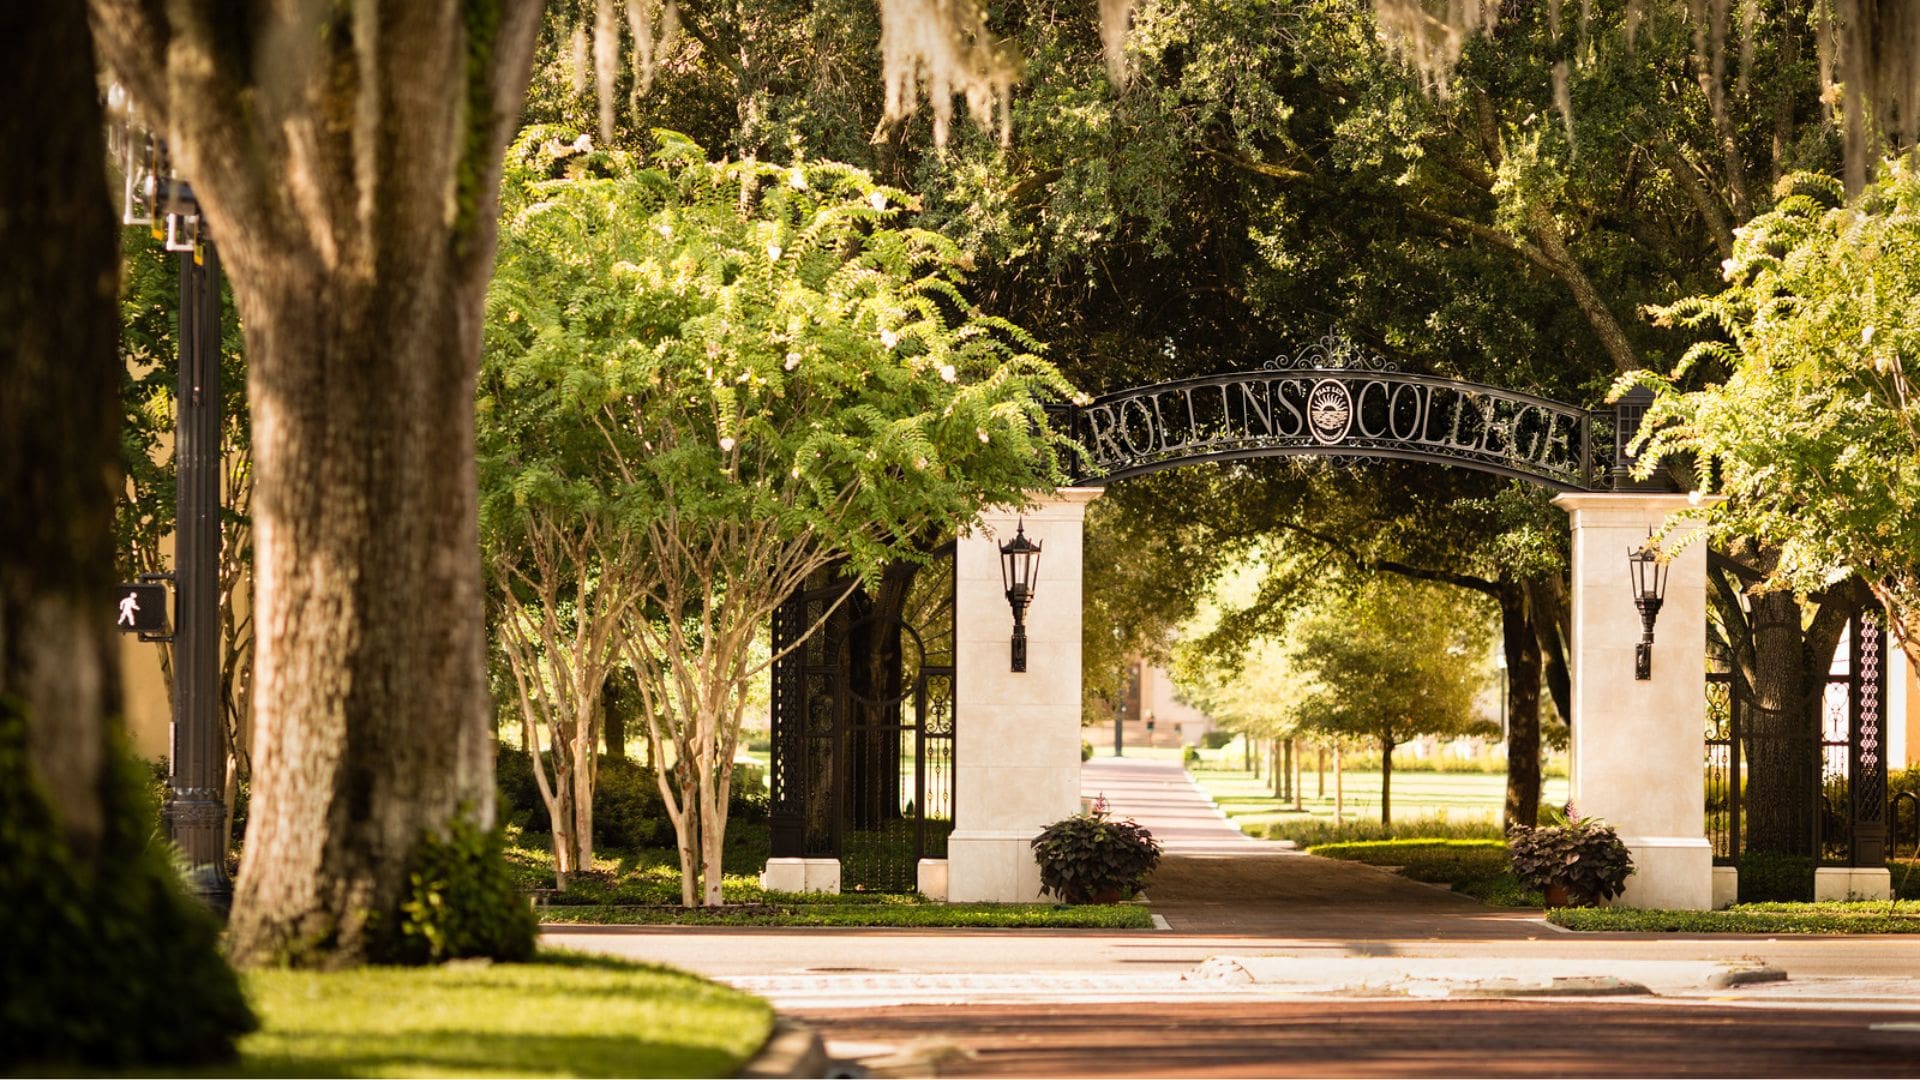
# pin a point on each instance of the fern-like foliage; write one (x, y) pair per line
(1798, 404)
(702, 382)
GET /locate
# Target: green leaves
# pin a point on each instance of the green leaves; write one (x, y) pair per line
(1087, 855)
(1805, 419)
(1585, 856)
(745, 340)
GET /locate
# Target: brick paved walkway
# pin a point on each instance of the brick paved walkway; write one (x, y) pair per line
(1215, 879)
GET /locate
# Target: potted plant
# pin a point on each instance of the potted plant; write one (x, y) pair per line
(1579, 864)
(1090, 858)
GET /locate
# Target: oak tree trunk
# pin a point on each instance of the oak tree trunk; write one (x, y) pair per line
(1521, 640)
(615, 700)
(59, 423)
(373, 727)
(1780, 732)
(348, 162)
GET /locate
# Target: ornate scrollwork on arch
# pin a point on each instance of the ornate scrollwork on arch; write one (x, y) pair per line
(1332, 352)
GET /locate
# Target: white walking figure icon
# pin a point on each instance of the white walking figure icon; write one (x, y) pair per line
(129, 604)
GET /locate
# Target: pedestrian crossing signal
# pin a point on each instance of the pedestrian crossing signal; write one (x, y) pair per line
(140, 609)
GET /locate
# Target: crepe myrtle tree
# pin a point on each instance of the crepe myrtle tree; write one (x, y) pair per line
(1801, 410)
(704, 383)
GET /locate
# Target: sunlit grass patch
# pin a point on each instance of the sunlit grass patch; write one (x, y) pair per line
(563, 1015)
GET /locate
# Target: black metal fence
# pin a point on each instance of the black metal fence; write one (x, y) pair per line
(1794, 788)
(863, 729)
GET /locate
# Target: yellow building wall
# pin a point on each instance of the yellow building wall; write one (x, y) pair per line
(149, 712)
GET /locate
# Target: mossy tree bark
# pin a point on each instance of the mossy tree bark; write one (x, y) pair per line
(349, 168)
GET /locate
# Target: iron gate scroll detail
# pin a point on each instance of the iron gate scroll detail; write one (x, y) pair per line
(1358, 411)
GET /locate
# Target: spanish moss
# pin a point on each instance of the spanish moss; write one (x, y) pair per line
(1869, 59)
(940, 49)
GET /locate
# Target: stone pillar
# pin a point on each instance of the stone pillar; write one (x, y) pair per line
(1639, 747)
(1017, 751)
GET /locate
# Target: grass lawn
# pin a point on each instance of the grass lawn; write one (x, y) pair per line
(563, 1015)
(643, 888)
(1476, 868)
(1850, 917)
(1457, 797)
(890, 911)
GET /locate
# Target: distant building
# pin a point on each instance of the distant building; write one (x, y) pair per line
(1149, 696)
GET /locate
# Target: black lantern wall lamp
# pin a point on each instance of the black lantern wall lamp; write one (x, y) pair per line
(1649, 591)
(1019, 565)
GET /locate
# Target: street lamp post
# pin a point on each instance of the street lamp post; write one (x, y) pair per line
(197, 810)
(1649, 592)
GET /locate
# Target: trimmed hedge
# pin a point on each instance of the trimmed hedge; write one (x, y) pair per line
(1858, 917)
(1318, 831)
(1476, 868)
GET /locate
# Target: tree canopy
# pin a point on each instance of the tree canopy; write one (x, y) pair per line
(1809, 427)
(707, 382)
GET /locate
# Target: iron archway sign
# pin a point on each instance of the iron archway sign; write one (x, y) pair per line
(1330, 401)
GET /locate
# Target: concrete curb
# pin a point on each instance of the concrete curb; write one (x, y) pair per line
(792, 1050)
(1460, 978)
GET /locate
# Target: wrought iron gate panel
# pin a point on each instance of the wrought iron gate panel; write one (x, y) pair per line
(1868, 764)
(1723, 768)
(1833, 818)
(1844, 819)
(863, 730)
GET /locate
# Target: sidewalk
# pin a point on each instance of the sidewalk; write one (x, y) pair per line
(1161, 796)
(1214, 879)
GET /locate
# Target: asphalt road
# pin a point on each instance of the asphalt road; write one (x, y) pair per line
(1141, 1003)
(1373, 1038)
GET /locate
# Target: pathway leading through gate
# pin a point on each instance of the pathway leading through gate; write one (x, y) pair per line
(1214, 879)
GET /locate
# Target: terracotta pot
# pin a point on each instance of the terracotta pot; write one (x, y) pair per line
(1108, 896)
(1557, 896)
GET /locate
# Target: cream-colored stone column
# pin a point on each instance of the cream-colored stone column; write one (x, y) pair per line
(1017, 749)
(1639, 747)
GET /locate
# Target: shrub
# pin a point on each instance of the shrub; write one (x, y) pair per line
(1314, 831)
(1216, 739)
(460, 901)
(111, 966)
(1190, 756)
(627, 808)
(1086, 750)
(628, 812)
(1087, 856)
(1585, 857)
(1775, 876)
